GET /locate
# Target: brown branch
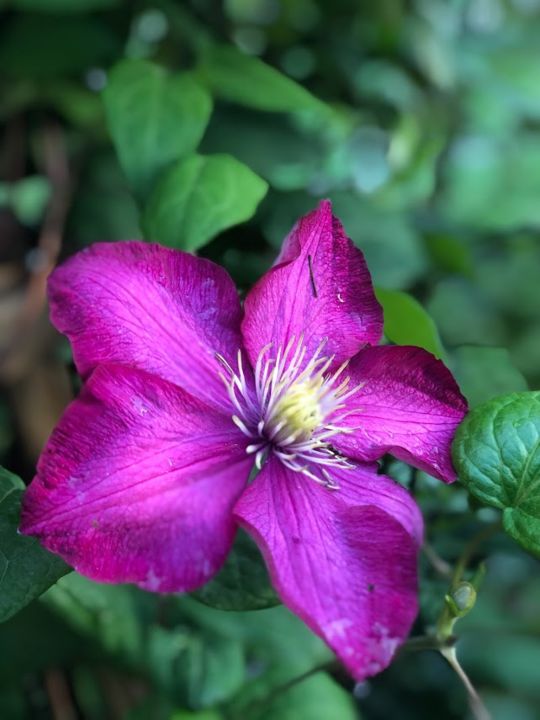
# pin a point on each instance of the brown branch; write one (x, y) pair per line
(56, 168)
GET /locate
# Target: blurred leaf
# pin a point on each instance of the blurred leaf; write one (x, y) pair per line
(483, 372)
(78, 105)
(284, 155)
(392, 247)
(407, 323)
(154, 118)
(213, 670)
(202, 715)
(242, 583)
(508, 276)
(493, 183)
(464, 315)
(198, 198)
(279, 646)
(316, 698)
(41, 47)
(26, 569)
(106, 613)
(36, 639)
(198, 669)
(496, 452)
(450, 254)
(246, 80)
(103, 208)
(64, 6)
(27, 198)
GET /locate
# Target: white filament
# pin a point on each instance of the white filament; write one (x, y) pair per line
(292, 409)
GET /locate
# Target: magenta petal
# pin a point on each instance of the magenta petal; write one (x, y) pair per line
(345, 561)
(148, 307)
(137, 484)
(319, 289)
(408, 405)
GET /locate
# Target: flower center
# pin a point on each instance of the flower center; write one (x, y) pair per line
(292, 409)
(300, 410)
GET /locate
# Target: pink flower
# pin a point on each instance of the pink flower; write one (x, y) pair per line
(145, 478)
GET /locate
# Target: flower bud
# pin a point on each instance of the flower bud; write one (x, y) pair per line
(461, 599)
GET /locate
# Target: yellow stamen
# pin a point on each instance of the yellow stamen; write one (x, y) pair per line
(300, 410)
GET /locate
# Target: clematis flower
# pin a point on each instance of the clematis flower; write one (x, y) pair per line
(145, 479)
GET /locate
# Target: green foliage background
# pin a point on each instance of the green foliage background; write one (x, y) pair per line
(211, 126)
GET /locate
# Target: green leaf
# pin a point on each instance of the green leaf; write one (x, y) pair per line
(242, 583)
(243, 79)
(316, 698)
(154, 118)
(26, 569)
(407, 323)
(198, 198)
(483, 372)
(496, 452)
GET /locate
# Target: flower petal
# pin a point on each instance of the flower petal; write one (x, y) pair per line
(149, 307)
(137, 483)
(320, 289)
(344, 560)
(408, 405)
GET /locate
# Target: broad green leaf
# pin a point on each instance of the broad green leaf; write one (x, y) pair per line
(496, 452)
(407, 323)
(26, 569)
(317, 698)
(483, 372)
(242, 583)
(154, 118)
(64, 6)
(243, 79)
(198, 198)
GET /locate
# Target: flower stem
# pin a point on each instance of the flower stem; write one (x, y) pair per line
(478, 709)
(471, 548)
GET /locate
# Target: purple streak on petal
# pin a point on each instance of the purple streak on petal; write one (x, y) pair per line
(344, 561)
(137, 483)
(149, 307)
(320, 288)
(409, 405)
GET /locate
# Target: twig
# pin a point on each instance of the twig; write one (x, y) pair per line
(56, 168)
(439, 564)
